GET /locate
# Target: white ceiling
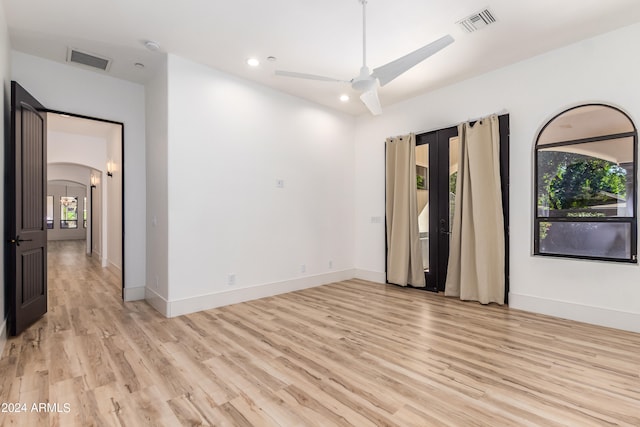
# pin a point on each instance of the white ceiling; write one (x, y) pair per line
(80, 126)
(317, 37)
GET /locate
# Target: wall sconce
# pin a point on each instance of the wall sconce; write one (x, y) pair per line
(110, 168)
(94, 181)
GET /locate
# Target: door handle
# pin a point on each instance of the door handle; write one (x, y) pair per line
(443, 227)
(17, 240)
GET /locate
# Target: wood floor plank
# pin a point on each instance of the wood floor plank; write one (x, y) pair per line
(149, 407)
(349, 353)
(250, 411)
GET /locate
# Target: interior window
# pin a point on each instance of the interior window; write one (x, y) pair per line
(585, 185)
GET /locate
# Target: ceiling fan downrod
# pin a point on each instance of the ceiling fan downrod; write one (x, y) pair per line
(364, 32)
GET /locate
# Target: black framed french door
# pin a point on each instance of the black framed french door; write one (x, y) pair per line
(437, 165)
(436, 172)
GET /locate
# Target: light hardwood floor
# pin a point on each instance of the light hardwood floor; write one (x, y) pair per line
(349, 353)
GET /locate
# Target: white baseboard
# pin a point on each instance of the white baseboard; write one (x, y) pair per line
(156, 301)
(582, 313)
(219, 299)
(134, 294)
(114, 267)
(3, 336)
(371, 276)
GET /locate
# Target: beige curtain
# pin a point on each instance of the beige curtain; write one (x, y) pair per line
(476, 257)
(404, 255)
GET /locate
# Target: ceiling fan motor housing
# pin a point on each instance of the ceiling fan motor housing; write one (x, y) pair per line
(364, 82)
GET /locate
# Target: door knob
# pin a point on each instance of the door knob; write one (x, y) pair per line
(17, 240)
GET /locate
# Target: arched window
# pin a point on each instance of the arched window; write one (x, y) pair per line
(585, 181)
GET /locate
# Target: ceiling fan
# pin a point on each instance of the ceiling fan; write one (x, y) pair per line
(367, 82)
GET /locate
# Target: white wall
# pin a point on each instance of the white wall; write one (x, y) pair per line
(157, 205)
(66, 172)
(66, 88)
(603, 69)
(229, 141)
(96, 227)
(64, 147)
(114, 200)
(5, 126)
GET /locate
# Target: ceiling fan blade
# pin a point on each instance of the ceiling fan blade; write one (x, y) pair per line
(370, 99)
(393, 69)
(308, 76)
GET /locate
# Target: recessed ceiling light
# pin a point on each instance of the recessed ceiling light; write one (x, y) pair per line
(253, 62)
(344, 98)
(139, 65)
(272, 58)
(152, 46)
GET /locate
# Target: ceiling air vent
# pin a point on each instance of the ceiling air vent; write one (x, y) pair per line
(88, 59)
(477, 21)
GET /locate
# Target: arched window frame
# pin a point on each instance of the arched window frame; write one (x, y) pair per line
(547, 220)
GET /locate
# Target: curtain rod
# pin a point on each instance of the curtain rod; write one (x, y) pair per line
(499, 114)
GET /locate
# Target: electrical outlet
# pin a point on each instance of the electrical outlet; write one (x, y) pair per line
(376, 220)
(330, 264)
(157, 282)
(280, 183)
(303, 268)
(231, 279)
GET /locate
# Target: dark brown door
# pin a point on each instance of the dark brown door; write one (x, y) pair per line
(26, 211)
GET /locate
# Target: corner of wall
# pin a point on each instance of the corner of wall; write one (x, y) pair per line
(134, 294)
(5, 110)
(157, 249)
(157, 301)
(371, 276)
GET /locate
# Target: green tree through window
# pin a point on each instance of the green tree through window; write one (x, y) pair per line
(586, 182)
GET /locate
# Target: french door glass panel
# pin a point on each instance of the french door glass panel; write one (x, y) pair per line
(422, 187)
(436, 174)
